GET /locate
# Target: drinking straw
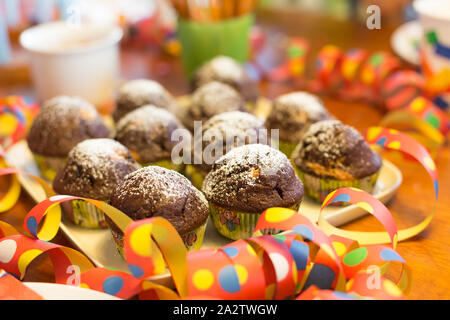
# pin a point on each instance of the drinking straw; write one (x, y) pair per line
(5, 46)
(12, 8)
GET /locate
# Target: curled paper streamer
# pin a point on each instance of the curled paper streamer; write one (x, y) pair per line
(401, 88)
(16, 115)
(13, 289)
(421, 114)
(395, 140)
(13, 191)
(264, 267)
(312, 260)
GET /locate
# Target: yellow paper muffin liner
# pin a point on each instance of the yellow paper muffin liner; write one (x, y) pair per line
(84, 214)
(49, 166)
(318, 188)
(195, 176)
(286, 147)
(237, 225)
(193, 240)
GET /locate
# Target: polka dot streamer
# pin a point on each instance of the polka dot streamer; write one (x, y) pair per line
(308, 262)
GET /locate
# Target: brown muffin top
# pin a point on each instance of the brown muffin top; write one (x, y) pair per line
(332, 149)
(137, 93)
(147, 133)
(232, 129)
(93, 168)
(155, 191)
(62, 123)
(252, 178)
(227, 70)
(211, 99)
(293, 113)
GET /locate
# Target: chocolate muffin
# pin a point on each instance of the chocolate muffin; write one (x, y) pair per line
(292, 114)
(62, 123)
(245, 182)
(93, 168)
(158, 192)
(147, 133)
(332, 155)
(211, 99)
(137, 93)
(227, 70)
(224, 132)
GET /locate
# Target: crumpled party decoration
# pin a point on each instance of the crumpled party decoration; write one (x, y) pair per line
(311, 260)
(16, 115)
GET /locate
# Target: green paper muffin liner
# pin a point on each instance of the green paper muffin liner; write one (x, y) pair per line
(84, 214)
(237, 225)
(318, 188)
(195, 176)
(166, 164)
(193, 240)
(286, 147)
(49, 166)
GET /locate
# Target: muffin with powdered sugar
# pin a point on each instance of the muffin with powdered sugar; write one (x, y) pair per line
(212, 99)
(62, 123)
(148, 133)
(332, 155)
(220, 134)
(227, 70)
(292, 114)
(245, 182)
(159, 192)
(140, 92)
(93, 168)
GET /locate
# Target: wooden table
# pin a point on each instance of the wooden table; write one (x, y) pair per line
(428, 253)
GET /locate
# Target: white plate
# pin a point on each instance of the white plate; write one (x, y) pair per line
(405, 39)
(53, 291)
(98, 245)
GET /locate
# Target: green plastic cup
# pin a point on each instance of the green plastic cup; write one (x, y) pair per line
(202, 41)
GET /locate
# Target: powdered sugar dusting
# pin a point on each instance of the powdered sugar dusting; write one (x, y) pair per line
(141, 88)
(63, 108)
(158, 185)
(233, 124)
(330, 138)
(242, 167)
(227, 68)
(302, 101)
(95, 166)
(215, 98)
(146, 117)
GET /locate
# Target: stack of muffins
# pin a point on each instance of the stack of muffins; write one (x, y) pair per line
(228, 171)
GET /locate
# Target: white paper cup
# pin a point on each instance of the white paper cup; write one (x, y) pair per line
(434, 17)
(74, 60)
